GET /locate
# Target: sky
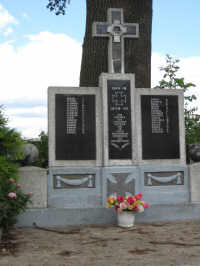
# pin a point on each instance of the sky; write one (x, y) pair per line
(39, 49)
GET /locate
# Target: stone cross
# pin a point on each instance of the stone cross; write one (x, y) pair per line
(117, 31)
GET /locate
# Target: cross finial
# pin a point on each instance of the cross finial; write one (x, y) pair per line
(117, 31)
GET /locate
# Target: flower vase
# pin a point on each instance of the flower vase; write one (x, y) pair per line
(126, 219)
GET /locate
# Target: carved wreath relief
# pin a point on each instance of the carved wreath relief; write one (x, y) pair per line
(74, 181)
(163, 178)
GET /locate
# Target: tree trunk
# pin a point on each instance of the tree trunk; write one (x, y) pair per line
(137, 51)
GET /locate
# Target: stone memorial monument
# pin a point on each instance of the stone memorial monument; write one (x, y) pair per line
(115, 138)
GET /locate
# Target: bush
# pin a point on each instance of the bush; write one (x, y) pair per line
(12, 200)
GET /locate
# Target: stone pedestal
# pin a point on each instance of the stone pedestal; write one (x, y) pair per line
(34, 179)
(194, 170)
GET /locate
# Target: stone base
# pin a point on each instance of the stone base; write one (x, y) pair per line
(34, 179)
(194, 170)
(165, 184)
(82, 188)
(52, 217)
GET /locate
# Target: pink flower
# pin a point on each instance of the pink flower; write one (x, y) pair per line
(11, 180)
(145, 205)
(30, 193)
(19, 185)
(12, 195)
(139, 196)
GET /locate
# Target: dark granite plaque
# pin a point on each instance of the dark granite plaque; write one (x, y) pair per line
(119, 119)
(160, 127)
(75, 127)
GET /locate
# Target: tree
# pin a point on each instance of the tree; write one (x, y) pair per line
(10, 140)
(171, 81)
(95, 50)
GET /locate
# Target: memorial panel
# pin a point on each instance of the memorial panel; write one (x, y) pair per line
(119, 119)
(160, 127)
(75, 127)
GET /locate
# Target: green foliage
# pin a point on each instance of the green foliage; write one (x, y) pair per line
(170, 81)
(10, 207)
(42, 145)
(10, 140)
(10, 151)
(58, 6)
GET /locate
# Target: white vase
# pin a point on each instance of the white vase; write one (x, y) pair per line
(126, 219)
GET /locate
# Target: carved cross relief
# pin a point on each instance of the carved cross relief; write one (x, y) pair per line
(116, 30)
(120, 184)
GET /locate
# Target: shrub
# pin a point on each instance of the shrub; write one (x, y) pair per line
(12, 200)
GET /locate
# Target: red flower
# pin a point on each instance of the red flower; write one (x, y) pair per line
(135, 208)
(116, 207)
(130, 200)
(120, 198)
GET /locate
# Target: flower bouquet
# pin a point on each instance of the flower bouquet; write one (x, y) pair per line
(126, 207)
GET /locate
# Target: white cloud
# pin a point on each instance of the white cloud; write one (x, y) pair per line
(157, 60)
(40, 111)
(8, 31)
(26, 72)
(6, 18)
(28, 127)
(189, 69)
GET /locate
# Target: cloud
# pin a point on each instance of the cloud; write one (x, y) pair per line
(26, 72)
(6, 18)
(189, 69)
(30, 128)
(8, 31)
(38, 111)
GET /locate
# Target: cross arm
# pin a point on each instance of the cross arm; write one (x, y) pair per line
(132, 30)
(100, 29)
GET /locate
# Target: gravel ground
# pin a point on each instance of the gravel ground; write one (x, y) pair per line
(166, 243)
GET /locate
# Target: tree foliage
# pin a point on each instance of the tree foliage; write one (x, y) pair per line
(171, 81)
(10, 140)
(58, 6)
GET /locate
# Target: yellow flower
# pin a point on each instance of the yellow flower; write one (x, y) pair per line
(107, 206)
(130, 207)
(110, 201)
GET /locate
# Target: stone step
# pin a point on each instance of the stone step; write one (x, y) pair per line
(53, 217)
